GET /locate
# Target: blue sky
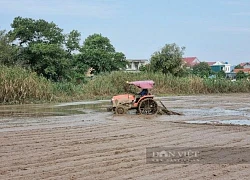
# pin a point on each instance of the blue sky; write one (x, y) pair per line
(214, 30)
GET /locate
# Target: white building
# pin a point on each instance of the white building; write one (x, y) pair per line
(135, 64)
(227, 68)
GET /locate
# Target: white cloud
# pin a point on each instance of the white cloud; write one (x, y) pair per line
(86, 8)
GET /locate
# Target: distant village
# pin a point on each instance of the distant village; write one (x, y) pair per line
(134, 65)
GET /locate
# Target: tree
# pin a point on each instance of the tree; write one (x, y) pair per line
(119, 61)
(145, 68)
(168, 60)
(73, 41)
(240, 75)
(221, 74)
(97, 52)
(41, 46)
(79, 67)
(49, 60)
(7, 51)
(202, 69)
(238, 67)
(27, 30)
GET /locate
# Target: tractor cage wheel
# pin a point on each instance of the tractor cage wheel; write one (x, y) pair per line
(121, 109)
(148, 107)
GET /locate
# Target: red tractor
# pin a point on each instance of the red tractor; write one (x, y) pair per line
(144, 104)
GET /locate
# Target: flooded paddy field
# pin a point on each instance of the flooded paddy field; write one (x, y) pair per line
(81, 140)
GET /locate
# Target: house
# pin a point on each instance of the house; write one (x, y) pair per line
(245, 70)
(191, 61)
(135, 64)
(221, 66)
(210, 63)
(245, 65)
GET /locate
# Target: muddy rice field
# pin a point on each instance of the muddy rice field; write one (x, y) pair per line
(81, 140)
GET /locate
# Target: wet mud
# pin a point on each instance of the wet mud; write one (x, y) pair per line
(80, 140)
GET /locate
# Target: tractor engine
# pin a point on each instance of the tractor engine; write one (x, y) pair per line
(122, 99)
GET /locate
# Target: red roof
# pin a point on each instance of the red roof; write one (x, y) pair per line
(190, 61)
(211, 63)
(243, 64)
(246, 70)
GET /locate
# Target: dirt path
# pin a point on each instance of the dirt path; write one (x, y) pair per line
(99, 145)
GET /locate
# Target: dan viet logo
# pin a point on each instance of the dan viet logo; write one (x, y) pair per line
(198, 155)
(174, 156)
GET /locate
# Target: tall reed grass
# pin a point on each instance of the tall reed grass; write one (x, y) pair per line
(20, 86)
(115, 83)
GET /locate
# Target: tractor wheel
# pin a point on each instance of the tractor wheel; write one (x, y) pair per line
(121, 109)
(148, 107)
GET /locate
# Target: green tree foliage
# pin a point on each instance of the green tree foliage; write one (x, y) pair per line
(144, 67)
(7, 51)
(79, 68)
(99, 53)
(119, 61)
(41, 46)
(221, 74)
(27, 30)
(49, 60)
(168, 60)
(202, 69)
(238, 67)
(73, 41)
(240, 75)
